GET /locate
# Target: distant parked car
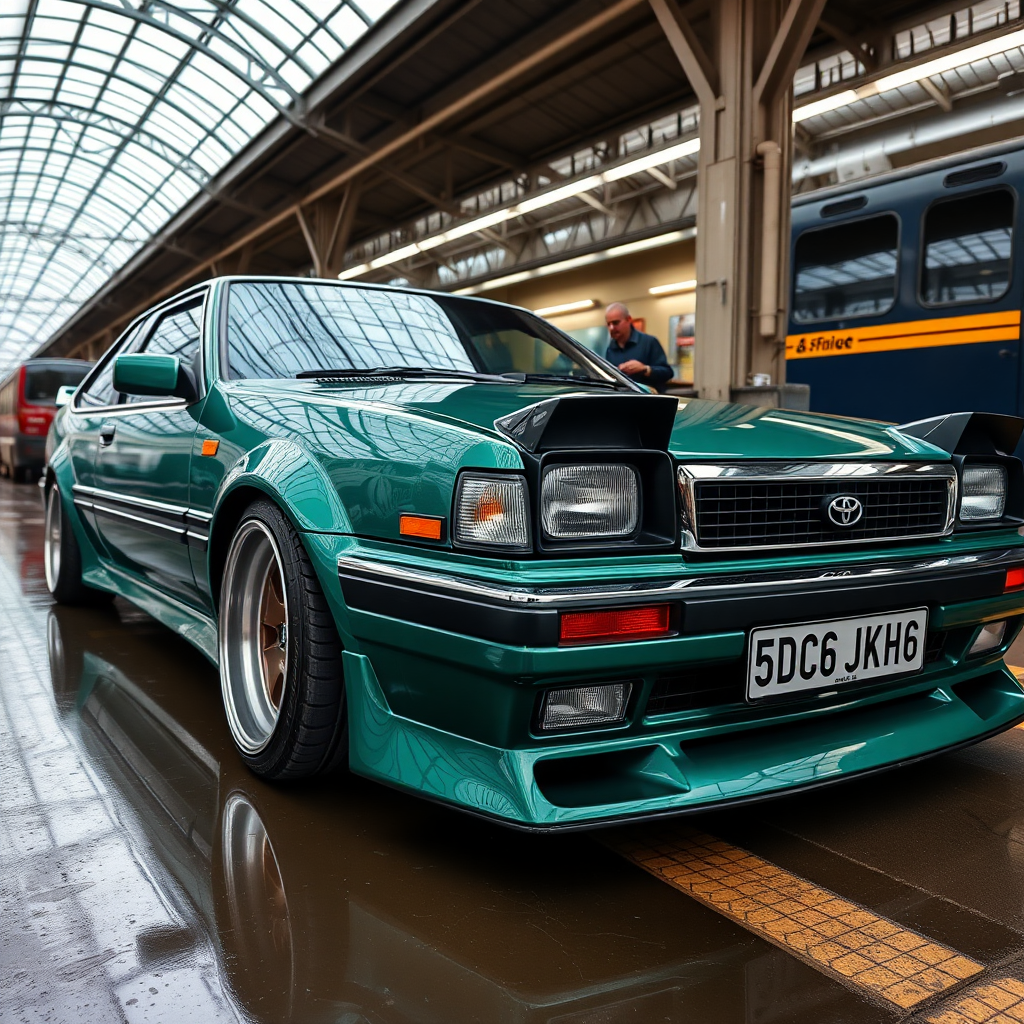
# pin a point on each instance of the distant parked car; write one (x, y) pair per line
(28, 399)
(435, 539)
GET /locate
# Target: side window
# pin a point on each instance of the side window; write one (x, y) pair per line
(176, 334)
(100, 390)
(967, 247)
(846, 270)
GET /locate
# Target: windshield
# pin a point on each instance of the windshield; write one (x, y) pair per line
(280, 329)
(42, 382)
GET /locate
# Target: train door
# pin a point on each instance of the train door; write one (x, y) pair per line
(970, 349)
(909, 305)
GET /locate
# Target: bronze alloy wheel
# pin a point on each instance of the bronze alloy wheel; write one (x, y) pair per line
(253, 636)
(279, 652)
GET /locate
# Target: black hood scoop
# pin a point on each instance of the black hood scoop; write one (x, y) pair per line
(580, 422)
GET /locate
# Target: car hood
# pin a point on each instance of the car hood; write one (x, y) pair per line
(702, 429)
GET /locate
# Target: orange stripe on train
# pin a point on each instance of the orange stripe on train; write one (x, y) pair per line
(945, 330)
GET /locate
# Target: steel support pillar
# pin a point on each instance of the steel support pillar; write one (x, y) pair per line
(742, 75)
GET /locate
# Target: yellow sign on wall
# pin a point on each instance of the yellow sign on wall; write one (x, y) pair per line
(944, 330)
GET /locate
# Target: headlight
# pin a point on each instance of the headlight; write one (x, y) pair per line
(984, 493)
(589, 501)
(491, 510)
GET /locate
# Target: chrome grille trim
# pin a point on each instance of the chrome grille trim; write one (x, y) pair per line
(690, 475)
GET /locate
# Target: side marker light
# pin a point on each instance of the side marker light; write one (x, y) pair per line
(1014, 579)
(210, 446)
(423, 527)
(616, 625)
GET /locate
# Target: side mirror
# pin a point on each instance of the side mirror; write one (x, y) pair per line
(153, 377)
(64, 394)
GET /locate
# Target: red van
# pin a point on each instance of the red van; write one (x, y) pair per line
(27, 403)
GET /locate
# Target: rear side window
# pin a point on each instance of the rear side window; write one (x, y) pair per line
(967, 247)
(846, 270)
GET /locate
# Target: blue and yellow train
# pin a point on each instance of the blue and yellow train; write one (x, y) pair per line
(906, 290)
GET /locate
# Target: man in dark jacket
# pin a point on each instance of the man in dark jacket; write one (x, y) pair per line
(639, 356)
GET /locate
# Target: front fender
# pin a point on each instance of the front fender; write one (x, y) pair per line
(291, 477)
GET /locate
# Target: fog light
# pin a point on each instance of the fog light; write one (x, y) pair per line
(615, 624)
(585, 705)
(989, 637)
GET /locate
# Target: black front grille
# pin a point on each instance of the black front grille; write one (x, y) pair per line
(746, 513)
(724, 684)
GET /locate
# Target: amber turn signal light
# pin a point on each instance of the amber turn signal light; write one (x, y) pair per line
(423, 527)
(1014, 578)
(616, 625)
(210, 446)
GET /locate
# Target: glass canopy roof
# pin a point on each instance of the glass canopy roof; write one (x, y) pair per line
(114, 113)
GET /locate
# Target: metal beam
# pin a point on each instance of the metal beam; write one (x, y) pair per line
(697, 66)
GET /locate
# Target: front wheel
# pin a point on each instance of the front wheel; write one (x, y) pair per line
(280, 654)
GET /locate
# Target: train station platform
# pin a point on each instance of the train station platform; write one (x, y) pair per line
(149, 876)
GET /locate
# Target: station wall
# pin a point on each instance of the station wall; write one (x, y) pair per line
(624, 279)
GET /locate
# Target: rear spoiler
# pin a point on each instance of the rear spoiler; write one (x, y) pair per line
(969, 433)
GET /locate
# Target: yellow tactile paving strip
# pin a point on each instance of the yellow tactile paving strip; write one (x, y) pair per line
(1000, 1001)
(867, 952)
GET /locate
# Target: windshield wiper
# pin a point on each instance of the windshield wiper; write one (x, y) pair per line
(563, 378)
(400, 372)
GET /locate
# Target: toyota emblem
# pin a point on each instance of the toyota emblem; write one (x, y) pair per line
(844, 510)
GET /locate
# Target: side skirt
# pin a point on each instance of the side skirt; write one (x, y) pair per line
(198, 629)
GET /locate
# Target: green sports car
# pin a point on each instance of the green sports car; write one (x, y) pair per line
(435, 539)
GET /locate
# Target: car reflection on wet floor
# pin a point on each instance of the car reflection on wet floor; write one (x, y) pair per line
(149, 876)
(153, 876)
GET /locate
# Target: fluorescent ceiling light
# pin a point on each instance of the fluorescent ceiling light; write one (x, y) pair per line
(673, 289)
(840, 99)
(556, 195)
(645, 163)
(989, 48)
(580, 261)
(566, 307)
(930, 68)
(537, 202)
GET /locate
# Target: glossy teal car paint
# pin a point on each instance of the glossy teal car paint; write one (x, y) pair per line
(435, 539)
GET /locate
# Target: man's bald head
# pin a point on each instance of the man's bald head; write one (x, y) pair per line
(620, 325)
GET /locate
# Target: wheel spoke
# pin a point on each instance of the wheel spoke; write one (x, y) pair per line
(273, 605)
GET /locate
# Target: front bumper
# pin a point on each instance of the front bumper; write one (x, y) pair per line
(447, 671)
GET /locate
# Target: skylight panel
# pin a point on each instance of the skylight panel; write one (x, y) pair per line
(117, 117)
(347, 25)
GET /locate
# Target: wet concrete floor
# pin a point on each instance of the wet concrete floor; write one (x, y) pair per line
(145, 875)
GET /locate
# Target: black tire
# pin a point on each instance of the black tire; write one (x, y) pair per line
(284, 694)
(62, 558)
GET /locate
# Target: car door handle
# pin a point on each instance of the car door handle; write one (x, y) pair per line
(107, 432)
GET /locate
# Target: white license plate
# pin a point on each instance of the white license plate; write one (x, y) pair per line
(814, 655)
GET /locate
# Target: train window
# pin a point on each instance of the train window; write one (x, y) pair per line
(846, 270)
(967, 244)
(42, 382)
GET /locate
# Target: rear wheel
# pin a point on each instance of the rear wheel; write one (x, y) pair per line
(62, 558)
(280, 654)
